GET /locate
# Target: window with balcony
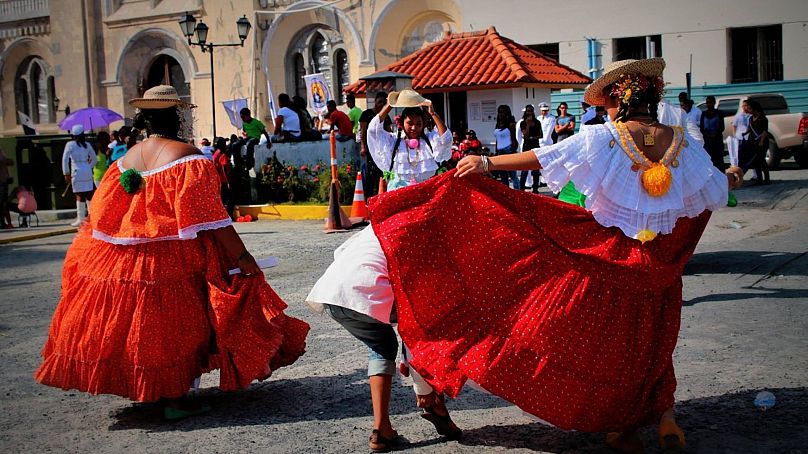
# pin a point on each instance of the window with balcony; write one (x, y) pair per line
(637, 47)
(34, 91)
(756, 53)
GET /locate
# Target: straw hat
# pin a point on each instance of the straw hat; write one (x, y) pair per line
(159, 97)
(405, 98)
(651, 67)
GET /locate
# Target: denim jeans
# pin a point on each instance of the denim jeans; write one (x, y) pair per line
(380, 338)
(505, 175)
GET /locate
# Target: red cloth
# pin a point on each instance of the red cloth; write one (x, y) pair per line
(536, 302)
(222, 163)
(470, 145)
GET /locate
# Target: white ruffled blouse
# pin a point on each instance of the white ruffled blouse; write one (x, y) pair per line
(410, 164)
(595, 162)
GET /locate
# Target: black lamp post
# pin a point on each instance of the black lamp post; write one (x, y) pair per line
(188, 26)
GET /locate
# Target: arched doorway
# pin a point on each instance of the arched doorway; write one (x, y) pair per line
(165, 70)
(318, 49)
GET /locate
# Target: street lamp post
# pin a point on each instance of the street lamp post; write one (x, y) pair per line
(189, 26)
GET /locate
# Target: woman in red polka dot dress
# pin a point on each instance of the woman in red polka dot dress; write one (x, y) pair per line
(571, 313)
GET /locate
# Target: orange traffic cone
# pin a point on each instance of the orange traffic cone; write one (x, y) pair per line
(359, 210)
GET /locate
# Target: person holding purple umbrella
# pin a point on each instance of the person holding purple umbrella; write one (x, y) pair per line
(78, 161)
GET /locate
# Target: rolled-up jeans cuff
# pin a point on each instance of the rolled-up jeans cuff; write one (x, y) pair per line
(381, 366)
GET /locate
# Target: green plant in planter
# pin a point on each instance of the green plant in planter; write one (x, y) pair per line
(273, 177)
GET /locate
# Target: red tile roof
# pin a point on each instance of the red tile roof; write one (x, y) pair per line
(482, 59)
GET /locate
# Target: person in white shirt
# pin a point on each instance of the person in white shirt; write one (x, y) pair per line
(206, 148)
(691, 116)
(740, 125)
(548, 122)
(287, 123)
(588, 112)
(355, 289)
(78, 161)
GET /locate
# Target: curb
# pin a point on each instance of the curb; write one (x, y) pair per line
(287, 212)
(37, 235)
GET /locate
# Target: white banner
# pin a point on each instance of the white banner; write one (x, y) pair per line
(26, 122)
(233, 107)
(317, 92)
(271, 97)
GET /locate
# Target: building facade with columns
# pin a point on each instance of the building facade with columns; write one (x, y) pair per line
(77, 53)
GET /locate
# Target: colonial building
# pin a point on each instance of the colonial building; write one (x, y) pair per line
(56, 54)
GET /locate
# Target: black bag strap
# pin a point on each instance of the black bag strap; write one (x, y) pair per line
(395, 150)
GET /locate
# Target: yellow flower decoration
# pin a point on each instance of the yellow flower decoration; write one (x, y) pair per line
(645, 235)
(657, 179)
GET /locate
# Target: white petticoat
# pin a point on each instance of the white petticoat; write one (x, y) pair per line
(595, 162)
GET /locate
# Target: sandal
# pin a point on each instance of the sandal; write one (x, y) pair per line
(625, 442)
(443, 424)
(380, 443)
(671, 436)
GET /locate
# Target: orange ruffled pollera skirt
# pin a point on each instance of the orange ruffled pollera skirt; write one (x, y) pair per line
(143, 321)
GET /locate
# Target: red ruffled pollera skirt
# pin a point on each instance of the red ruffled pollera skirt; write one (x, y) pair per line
(535, 301)
(143, 321)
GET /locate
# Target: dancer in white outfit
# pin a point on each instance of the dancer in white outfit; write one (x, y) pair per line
(355, 289)
(78, 161)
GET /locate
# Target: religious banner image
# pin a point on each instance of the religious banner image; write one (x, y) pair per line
(317, 92)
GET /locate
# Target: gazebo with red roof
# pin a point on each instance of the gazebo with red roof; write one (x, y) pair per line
(472, 73)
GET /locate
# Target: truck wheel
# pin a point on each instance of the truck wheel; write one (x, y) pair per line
(773, 156)
(801, 156)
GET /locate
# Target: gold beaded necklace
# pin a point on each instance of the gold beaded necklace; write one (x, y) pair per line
(656, 177)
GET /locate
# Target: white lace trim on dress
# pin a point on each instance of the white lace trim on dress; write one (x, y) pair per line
(186, 233)
(171, 164)
(595, 162)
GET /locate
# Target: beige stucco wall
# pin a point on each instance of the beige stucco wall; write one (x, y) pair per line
(700, 27)
(795, 47)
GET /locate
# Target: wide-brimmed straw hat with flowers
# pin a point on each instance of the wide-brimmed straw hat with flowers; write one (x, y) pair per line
(405, 98)
(159, 97)
(650, 67)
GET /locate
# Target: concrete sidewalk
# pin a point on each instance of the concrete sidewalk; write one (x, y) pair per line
(45, 229)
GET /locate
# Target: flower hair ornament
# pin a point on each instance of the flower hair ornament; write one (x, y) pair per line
(629, 87)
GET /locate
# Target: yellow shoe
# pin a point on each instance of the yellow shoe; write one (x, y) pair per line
(625, 442)
(671, 436)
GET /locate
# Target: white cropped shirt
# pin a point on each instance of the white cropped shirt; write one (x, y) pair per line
(411, 165)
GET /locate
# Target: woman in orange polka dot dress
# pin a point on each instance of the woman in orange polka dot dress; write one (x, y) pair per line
(571, 313)
(147, 303)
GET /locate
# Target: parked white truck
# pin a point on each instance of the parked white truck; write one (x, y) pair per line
(788, 131)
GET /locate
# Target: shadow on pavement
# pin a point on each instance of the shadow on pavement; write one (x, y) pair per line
(746, 262)
(760, 292)
(325, 398)
(720, 424)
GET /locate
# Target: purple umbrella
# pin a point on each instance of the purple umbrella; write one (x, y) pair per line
(89, 118)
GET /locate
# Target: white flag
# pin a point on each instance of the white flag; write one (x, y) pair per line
(317, 92)
(233, 109)
(26, 122)
(271, 99)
